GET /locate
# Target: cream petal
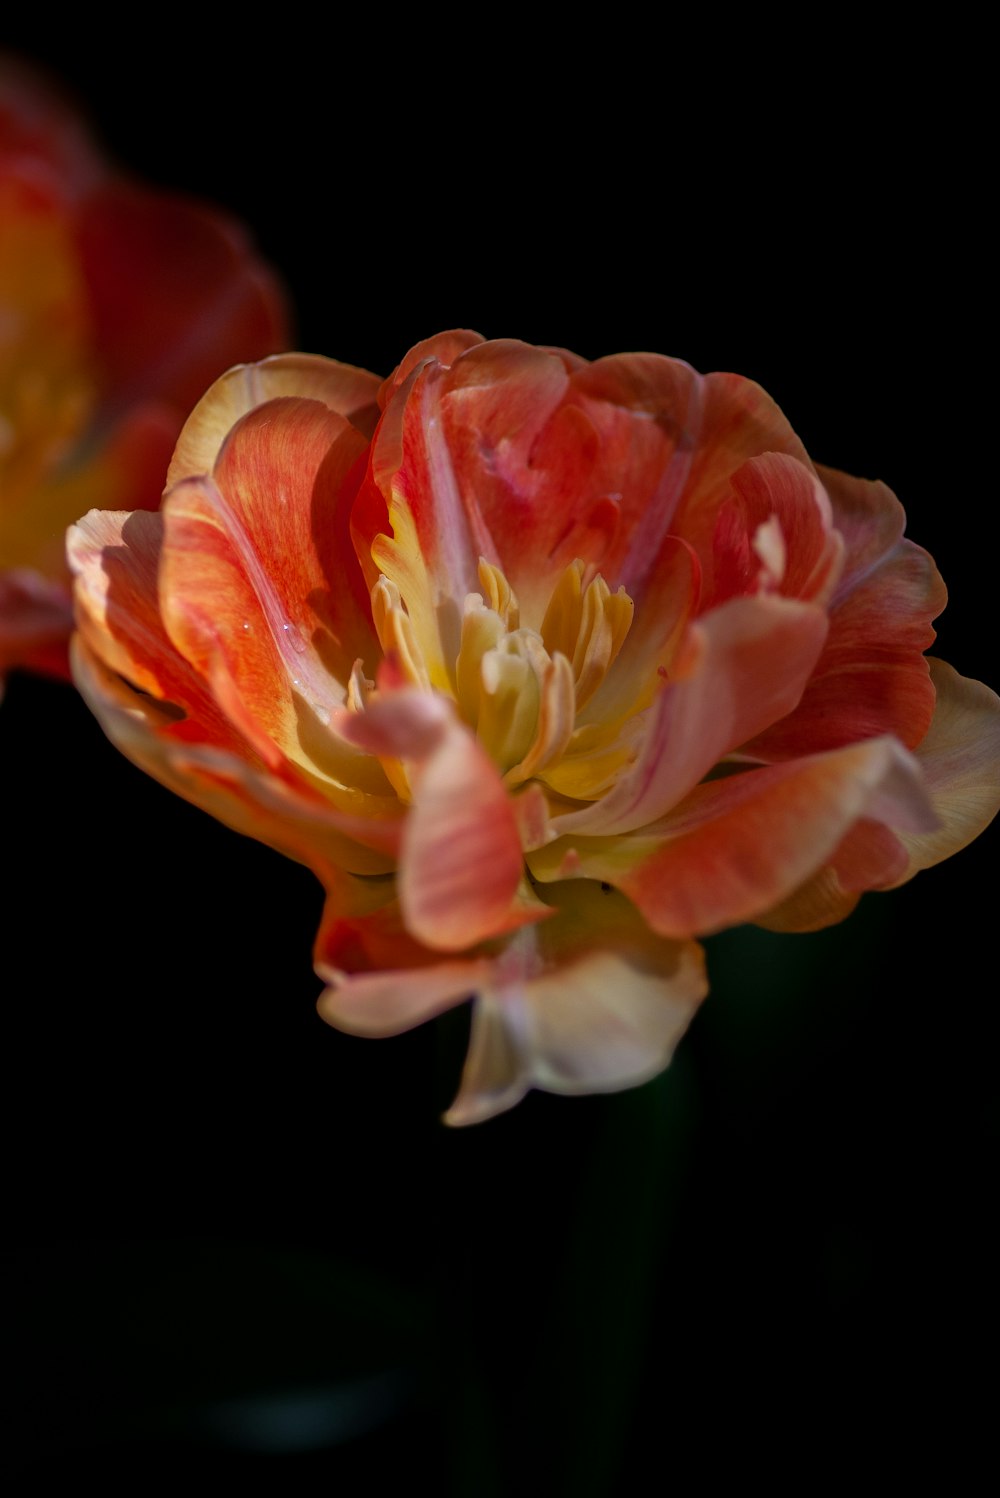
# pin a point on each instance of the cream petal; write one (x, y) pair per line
(591, 1001)
(960, 760)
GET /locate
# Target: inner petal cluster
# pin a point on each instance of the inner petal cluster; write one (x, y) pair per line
(519, 689)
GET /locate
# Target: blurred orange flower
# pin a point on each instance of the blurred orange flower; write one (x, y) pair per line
(546, 668)
(118, 307)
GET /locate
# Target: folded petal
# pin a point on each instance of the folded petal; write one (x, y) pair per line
(775, 533)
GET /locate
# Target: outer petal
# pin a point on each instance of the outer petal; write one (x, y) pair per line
(271, 520)
(348, 391)
(739, 846)
(276, 810)
(747, 663)
(590, 1001)
(960, 759)
(117, 560)
(871, 677)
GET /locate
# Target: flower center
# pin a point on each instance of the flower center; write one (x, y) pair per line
(518, 688)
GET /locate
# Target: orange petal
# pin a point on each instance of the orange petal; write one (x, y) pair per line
(248, 563)
(286, 814)
(348, 391)
(115, 557)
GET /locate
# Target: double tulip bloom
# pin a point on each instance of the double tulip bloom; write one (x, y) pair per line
(545, 668)
(118, 307)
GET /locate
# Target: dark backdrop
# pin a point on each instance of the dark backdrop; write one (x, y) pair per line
(780, 1247)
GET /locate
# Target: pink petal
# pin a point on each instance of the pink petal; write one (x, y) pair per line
(460, 861)
(778, 488)
(749, 661)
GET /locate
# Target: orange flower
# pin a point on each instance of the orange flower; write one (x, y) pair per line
(545, 668)
(118, 306)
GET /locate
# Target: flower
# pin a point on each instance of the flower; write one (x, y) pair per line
(546, 668)
(118, 306)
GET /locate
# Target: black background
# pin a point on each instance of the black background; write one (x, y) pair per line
(780, 1252)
